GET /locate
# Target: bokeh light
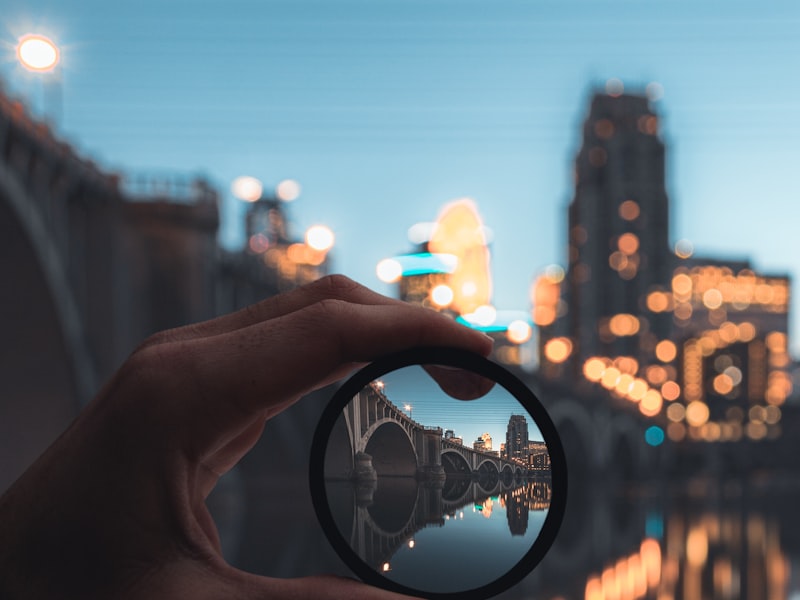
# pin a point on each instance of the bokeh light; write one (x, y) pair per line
(442, 295)
(389, 270)
(320, 237)
(519, 331)
(37, 53)
(247, 188)
(287, 190)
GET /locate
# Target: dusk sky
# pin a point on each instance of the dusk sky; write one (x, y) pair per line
(384, 110)
(430, 406)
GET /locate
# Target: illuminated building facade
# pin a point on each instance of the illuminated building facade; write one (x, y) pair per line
(289, 263)
(450, 272)
(728, 351)
(699, 345)
(517, 438)
(487, 441)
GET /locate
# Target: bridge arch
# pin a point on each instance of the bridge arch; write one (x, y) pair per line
(340, 453)
(392, 450)
(576, 430)
(52, 380)
(488, 474)
(454, 463)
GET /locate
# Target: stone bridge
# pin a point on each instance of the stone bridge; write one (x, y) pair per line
(373, 437)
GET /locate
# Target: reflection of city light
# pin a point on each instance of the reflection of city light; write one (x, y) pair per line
(697, 547)
(411, 543)
(386, 567)
(389, 270)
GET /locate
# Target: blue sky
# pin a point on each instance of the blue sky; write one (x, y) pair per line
(468, 419)
(384, 110)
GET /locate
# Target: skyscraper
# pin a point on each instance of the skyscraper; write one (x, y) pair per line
(517, 437)
(618, 230)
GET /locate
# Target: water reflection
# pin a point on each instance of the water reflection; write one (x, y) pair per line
(446, 536)
(703, 552)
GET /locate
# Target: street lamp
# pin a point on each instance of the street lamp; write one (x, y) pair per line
(408, 407)
(40, 55)
(37, 53)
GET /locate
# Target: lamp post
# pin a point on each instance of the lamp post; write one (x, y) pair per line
(409, 408)
(40, 55)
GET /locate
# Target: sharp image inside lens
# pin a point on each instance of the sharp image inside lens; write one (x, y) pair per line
(432, 491)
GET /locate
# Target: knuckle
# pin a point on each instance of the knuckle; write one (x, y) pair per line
(337, 285)
(330, 309)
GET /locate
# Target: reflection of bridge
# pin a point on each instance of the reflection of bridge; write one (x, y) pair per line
(378, 518)
(375, 438)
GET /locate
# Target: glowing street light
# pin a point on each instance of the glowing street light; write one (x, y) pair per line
(247, 188)
(37, 53)
(287, 190)
(320, 238)
(408, 407)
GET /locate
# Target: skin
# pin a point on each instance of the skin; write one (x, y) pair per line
(115, 508)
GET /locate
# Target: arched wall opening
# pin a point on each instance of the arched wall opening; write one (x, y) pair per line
(391, 450)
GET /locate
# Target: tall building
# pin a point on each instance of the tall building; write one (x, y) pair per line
(618, 230)
(487, 441)
(699, 345)
(517, 438)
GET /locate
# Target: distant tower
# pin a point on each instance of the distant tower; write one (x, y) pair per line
(517, 437)
(618, 231)
(487, 441)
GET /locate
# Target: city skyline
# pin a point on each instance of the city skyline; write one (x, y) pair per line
(318, 103)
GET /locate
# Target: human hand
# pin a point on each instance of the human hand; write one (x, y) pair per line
(115, 508)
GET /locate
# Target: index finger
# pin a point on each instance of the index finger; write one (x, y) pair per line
(263, 368)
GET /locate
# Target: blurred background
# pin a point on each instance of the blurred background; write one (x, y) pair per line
(606, 187)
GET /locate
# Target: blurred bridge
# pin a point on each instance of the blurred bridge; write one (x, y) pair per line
(91, 263)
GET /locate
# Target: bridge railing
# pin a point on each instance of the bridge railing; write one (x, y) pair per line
(171, 187)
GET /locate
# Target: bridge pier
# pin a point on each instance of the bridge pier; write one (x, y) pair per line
(429, 453)
(364, 471)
